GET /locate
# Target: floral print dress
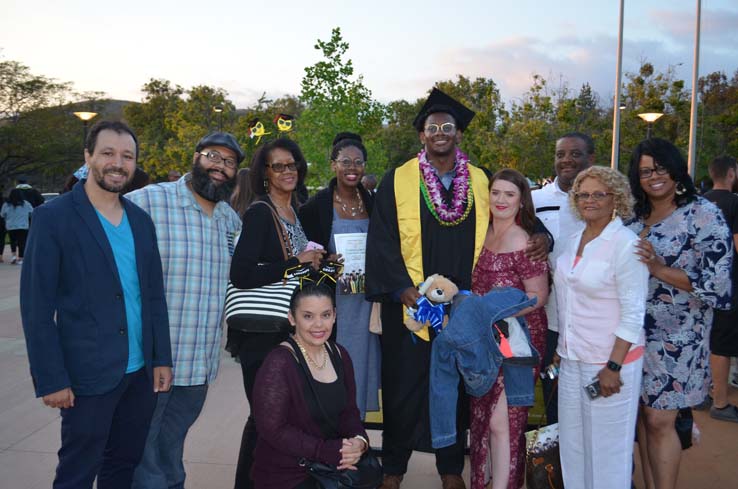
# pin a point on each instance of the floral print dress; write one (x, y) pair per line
(696, 239)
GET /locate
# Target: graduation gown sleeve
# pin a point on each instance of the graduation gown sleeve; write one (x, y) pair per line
(386, 273)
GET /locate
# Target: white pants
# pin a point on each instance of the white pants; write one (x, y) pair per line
(596, 436)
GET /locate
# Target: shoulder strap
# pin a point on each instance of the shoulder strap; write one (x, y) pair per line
(281, 231)
(306, 370)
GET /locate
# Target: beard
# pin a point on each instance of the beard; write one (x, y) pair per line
(206, 188)
(99, 177)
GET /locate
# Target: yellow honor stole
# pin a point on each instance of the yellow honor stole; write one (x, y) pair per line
(407, 199)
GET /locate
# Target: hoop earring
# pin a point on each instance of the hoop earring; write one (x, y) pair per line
(680, 190)
(614, 214)
(266, 185)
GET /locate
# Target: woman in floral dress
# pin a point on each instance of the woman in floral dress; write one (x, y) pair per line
(686, 245)
(497, 429)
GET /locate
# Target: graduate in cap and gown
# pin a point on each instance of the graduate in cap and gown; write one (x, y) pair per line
(430, 216)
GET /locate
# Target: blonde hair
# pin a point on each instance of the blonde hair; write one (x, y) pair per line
(615, 182)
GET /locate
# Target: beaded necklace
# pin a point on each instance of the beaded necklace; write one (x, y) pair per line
(353, 210)
(430, 187)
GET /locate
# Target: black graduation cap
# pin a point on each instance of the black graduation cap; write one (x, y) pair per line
(440, 102)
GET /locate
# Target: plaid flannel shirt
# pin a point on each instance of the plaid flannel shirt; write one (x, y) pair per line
(196, 252)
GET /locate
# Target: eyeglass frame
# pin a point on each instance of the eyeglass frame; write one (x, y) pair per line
(440, 127)
(596, 196)
(282, 167)
(221, 160)
(658, 169)
(347, 163)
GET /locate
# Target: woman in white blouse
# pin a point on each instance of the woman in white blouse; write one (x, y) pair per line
(601, 308)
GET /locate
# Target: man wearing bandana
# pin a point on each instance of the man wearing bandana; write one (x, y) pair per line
(195, 227)
(430, 216)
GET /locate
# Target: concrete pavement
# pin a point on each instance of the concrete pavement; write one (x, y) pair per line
(29, 431)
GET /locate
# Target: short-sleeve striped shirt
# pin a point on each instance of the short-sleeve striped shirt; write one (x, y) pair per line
(196, 252)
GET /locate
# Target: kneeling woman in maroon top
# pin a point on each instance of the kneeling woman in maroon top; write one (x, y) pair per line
(291, 425)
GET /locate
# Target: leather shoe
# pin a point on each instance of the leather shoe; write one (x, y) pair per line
(451, 481)
(391, 482)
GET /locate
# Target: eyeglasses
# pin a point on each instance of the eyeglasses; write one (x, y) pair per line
(647, 172)
(445, 128)
(597, 196)
(347, 163)
(216, 158)
(281, 167)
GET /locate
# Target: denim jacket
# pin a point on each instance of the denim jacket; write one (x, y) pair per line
(467, 346)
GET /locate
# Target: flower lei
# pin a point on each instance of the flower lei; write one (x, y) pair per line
(430, 187)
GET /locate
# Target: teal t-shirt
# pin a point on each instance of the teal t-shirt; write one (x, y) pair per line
(124, 251)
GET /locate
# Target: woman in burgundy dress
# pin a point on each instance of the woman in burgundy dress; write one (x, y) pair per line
(497, 429)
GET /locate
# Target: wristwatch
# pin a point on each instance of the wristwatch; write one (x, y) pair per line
(615, 367)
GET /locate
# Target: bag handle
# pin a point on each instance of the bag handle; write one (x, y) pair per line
(548, 402)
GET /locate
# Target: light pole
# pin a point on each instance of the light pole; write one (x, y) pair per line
(650, 118)
(85, 117)
(219, 110)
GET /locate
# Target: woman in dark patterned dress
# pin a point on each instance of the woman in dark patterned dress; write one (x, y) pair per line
(497, 429)
(686, 245)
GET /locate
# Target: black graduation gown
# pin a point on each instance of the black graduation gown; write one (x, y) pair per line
(448, 251)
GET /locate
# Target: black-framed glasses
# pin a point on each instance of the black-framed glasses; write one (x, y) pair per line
(644, 173)
(347, 163)
(216, 158)
(281, 167)
(445, 128)
(597, 196)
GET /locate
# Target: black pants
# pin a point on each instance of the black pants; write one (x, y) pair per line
(405, 405)
(253, 349)
(2, 236)
(552, 404)
(18, 240)
(104, 435)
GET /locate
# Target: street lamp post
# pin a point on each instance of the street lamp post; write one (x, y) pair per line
(650, 118)
(219, 110)
(85, 117)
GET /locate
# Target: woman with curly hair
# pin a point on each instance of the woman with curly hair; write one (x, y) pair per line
(686, 246)
(601, 297)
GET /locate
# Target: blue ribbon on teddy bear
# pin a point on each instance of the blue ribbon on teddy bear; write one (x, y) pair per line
(427, 311)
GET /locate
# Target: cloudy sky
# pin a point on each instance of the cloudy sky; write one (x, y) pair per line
(400, 47)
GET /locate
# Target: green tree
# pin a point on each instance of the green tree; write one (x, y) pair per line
(529, 131)
(38, 134)
(481, 140)
(335, 101)
(397, 139)
(717, 132)
(171, 120)
(650, 90)
(152, 120)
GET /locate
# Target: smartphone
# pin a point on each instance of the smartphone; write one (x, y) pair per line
(593, 389)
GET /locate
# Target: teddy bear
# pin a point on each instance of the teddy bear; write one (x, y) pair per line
(436, 291)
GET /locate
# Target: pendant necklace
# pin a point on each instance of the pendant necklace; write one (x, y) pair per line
(353, 210)
(309, 359)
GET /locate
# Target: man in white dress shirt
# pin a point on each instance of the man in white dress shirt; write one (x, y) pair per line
(574, 153)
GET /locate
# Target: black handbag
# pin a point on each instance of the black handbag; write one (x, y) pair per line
(683, 425)
(369, 471)
(367, 476)
(264, 309)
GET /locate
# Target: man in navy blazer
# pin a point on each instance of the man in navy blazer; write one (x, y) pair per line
(95, 317)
